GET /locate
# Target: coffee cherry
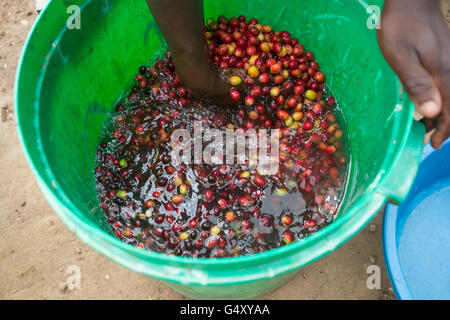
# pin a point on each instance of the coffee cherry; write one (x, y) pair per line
(183, 236)
(208, 195)
(159, 218)
(183, 188)
(307, 125)
(222, 242)
(222, 202)
(330, 101)
(292, 102)
(333, 173)
(178, 198)
(253, 115)
(287, 220)
(309, 223)
(311, 95)
(229, 216)
(211, 243)
(235, 95)
(253, 72)
(287, 237)
(259, 181)
(249, 100)
(169, 206)
(235, 81)
(193, 223)
(198, 244)
(298, 50)
(282, 114)
(275, 68)
(245, 224)
(122, 194)
(264, 46)
(319, 76)
(330, 149)
(264, 78)
(297, 116)
(173, 242)
(275, 91)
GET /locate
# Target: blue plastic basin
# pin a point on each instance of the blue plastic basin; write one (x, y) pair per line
(416, 234)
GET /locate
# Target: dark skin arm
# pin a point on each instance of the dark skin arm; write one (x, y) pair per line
(182, 23)
(415, 41)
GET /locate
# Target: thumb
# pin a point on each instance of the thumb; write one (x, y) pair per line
(421, 89)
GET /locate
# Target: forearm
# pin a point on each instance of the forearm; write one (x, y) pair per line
(181, 23)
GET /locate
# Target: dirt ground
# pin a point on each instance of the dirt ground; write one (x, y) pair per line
(36, 248)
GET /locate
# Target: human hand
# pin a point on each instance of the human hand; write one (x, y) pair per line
(203, 80)
(415, 41)
(182, 24)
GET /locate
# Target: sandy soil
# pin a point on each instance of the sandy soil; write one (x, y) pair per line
(36, 248)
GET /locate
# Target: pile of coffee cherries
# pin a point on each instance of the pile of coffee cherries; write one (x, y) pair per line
(224, 210)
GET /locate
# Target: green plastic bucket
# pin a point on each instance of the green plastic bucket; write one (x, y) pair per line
(68, 80)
